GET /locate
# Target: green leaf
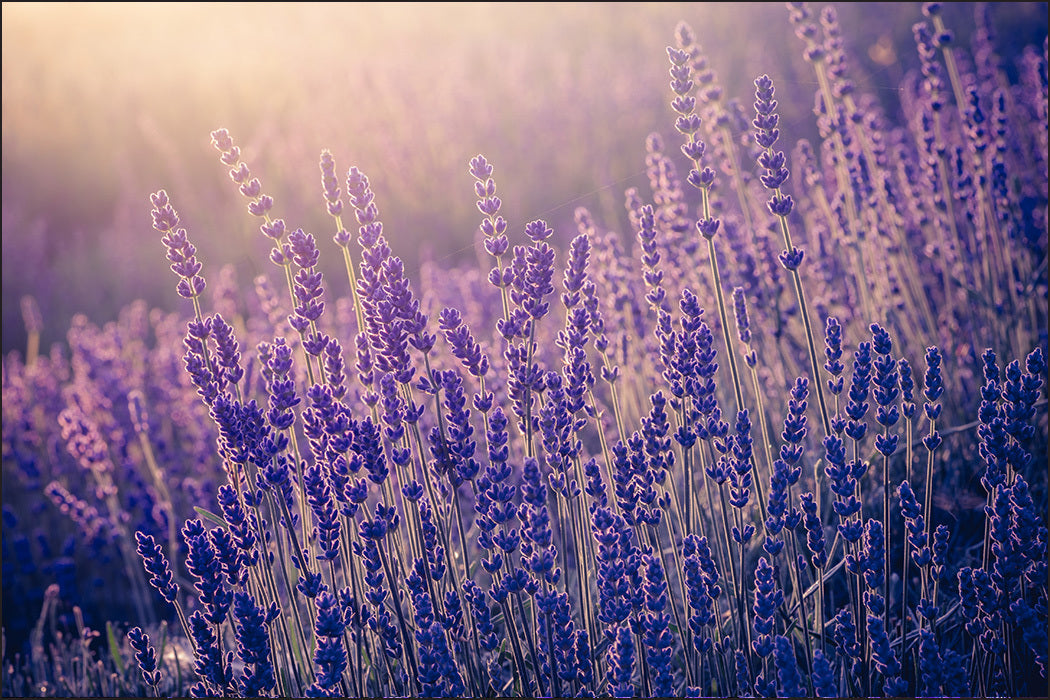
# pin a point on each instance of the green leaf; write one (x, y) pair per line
(114, 648)
(208, 515)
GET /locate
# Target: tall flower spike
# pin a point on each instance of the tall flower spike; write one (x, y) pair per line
(774, 163)
(181, 253)
(146, 656)
(493, 226)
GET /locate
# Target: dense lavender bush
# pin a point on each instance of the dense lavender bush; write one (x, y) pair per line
(580, 478)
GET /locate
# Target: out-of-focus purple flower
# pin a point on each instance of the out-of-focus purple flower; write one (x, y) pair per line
(823, 676)
(743, 325)
(791, 684)
(330, 187)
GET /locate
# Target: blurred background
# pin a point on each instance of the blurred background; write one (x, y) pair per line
(105, 103)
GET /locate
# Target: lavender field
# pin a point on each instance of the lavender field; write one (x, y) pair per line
(539, 350)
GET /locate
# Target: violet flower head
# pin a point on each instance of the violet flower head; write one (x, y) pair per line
(740, 476)
(534, 271)
(657, 638)
(791, 684)
(204, 564)
(282, 387)
(915, 525)
(860, 384)
(181, 253)
(795, 424)
(228, 354)
(768, 598)
(886, 389)
(774, 163)
(157, 567)
(907, 387)
(240, 524)
(366, 212)
(464, 347)
(874, 556)
(326, 521)
(253, 646)
(688, 122)
(145, 655)
(576, 270)
(882, 653)
(330, 655)
(260, 204)
(814, 530)
(621, 657)
(823, 676)
(933, 388)
(330, 189)
(493, 226)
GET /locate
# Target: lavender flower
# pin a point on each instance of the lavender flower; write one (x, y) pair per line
(145, 655)
(773, 162)
(157, 567)
(253, 646)
(204, 564)
(181, 253)
(768, 597)
(791, 684)
(621, 657)
(659, 643)
(823, 676)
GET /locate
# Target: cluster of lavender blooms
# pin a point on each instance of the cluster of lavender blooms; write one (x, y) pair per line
(785, 438)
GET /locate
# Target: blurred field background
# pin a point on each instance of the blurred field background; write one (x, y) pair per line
(106, 103)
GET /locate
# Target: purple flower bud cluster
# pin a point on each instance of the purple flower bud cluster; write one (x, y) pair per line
(145, 655)
(260, 204)
(253, 646)
(493, 226)
(396, 536)
(768, 598)
(181, 253)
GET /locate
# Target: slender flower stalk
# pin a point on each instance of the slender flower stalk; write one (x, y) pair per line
(780, 205)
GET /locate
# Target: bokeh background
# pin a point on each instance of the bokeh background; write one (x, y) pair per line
(105, 103)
